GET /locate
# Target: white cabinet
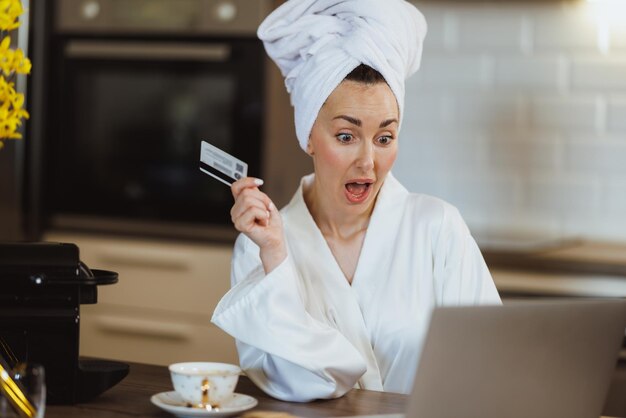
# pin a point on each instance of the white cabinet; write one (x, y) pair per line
(159, 312)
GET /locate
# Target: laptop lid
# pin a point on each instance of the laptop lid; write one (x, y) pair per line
(524, 359)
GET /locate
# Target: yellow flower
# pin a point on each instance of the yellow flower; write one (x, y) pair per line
(11, 112)
(6, 55)
(21, 64)
(12, 62)
(10, 10)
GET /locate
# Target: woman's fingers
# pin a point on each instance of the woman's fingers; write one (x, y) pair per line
(251, 218)
(247, 182)
(254, 213)
(247, 196)
(250, 198)
(273, 210)
(254, 194)
(242, 207)
(251, 205)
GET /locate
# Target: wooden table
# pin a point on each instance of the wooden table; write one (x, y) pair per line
(131, 398)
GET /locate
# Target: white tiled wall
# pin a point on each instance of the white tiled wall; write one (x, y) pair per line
(518, 117)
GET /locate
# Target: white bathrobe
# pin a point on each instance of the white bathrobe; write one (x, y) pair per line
(303, 332)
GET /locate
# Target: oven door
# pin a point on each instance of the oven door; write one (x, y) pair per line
(129, 117)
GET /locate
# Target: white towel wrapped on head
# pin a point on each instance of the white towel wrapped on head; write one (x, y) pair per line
(317, 43)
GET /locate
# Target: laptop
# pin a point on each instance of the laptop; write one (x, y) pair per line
(526, 359)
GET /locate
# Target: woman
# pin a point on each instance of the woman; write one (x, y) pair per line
(335, 290)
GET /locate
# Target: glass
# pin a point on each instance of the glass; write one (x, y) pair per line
(29, 378)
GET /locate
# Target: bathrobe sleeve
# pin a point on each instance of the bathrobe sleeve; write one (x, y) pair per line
(459, 266)
(287, 352)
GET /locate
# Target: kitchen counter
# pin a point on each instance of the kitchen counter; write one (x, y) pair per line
(131, 398)
(576, 257)
(557, 268)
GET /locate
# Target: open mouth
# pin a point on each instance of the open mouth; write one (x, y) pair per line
(358, 191)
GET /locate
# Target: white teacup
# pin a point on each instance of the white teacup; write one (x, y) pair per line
(204, 384)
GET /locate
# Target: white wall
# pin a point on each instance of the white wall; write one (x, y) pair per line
(518, 117)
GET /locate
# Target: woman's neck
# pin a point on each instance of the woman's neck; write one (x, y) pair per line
(332, 221)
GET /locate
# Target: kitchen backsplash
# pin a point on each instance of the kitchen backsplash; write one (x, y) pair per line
(518, 117)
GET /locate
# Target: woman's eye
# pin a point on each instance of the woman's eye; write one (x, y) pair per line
(384, 140)
(345, 138)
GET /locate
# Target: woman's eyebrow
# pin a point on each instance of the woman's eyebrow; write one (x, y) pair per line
(387, 122)
(350, 119)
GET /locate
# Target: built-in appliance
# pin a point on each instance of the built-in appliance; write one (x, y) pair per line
(133, 86)
(42, 288)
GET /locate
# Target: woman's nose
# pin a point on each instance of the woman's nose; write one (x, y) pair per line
(365, 160)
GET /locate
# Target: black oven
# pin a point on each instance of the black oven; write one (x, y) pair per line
(134, 86)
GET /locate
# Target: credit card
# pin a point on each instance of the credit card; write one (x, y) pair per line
(221, 165)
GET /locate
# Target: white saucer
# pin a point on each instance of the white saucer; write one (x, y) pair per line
(173, 403)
